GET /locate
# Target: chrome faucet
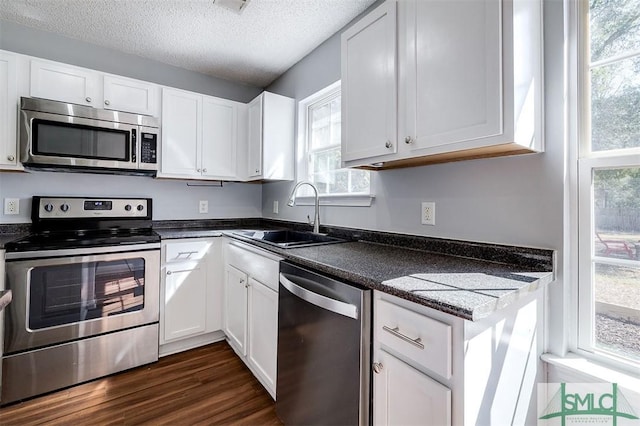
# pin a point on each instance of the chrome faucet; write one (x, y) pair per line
(292, 200)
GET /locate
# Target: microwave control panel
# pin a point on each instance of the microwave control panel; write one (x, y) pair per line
(149, 148)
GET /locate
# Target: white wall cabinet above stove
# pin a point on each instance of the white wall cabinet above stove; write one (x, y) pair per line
(8, 111)
(200, 135)
(67, 83)
(270, 145)
(468, 78)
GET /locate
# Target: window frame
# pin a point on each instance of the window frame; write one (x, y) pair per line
(360, 199)
(582, 164)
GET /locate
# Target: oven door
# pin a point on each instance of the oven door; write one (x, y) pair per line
(57, 300)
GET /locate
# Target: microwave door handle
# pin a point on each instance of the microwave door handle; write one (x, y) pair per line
(134, 146)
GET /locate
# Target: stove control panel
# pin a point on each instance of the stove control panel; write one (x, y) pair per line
(70, 208)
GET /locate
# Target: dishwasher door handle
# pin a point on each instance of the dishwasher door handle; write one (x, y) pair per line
(324, 302)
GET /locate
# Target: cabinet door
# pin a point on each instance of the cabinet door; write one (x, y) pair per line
(235, 308)
(278, 121)
(219, 137)
(254, 138)
(8, 111)
(181, 132)
(263, 331)
(123, 94)
(369, 85)
(64, 83)
(452, 81)
(403, 395)
(185, 308)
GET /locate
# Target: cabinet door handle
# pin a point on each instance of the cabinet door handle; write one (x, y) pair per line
(10, 157)
(396, 332)
(204, 170)
(408, 140)
(88, 99)
(106, 102)
(242, 281)
(198, 170)
(388, 144)
(169, 272)
(377, 367)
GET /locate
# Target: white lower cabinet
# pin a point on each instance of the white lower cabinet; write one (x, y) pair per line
(235, 301)
(191, 294)
(432, 368)
(251, 309)
(185, 300)
(406, 396)
(263, 331)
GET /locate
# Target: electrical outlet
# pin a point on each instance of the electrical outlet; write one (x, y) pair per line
(275, 206)
(11, 206)
(203, 206)
(428, 213)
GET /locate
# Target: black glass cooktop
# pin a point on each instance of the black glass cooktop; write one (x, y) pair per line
(82, 239)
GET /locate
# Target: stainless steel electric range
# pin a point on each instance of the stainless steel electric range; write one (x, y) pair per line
(85, 294)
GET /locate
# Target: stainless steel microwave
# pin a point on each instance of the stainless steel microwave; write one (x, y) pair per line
(56, 135)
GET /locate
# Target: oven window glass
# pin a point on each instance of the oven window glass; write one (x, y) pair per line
(73, 140)
(64, 294)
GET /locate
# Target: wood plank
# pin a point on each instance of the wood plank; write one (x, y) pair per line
(206, 385)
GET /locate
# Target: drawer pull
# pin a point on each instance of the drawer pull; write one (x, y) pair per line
(396, 332)
(186, 253)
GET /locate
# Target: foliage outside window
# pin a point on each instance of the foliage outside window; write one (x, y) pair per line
(322, 118)
(609, 180)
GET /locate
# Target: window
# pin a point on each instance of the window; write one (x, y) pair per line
(609, 180)
(319, 127)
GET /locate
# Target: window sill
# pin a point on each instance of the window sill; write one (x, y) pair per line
(347, 200)
(577, 369)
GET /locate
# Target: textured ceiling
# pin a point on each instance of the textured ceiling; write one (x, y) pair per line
(253, 47)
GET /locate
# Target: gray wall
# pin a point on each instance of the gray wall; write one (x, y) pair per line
(515, 200)
(42, 44)
(172, 199)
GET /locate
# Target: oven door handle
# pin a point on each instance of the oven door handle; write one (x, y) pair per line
(324, 302)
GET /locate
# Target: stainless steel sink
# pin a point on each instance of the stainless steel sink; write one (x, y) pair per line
(288, 239)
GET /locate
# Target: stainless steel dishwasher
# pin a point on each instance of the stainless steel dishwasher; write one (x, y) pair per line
(324, 349)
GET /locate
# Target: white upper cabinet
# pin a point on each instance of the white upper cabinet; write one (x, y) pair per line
(369, 85)
(468, 82)
(181, 133)
(65, 83)
(270, 141)
(219, 137)
(200, 135)
(125, 94)
(8, 111)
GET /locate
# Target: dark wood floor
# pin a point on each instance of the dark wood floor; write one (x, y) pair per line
(208, 385)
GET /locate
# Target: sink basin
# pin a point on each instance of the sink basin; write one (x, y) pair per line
(288, 239)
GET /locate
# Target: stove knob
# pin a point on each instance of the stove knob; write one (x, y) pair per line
(140, 207)
(128, 207)
(48, 207)
(64, 207)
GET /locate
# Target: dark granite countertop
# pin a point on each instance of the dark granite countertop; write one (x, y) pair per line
(468, 288)
(466, 279)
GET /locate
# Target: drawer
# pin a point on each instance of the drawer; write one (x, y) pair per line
(264, 268)
(184, 251)
(423, 340)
